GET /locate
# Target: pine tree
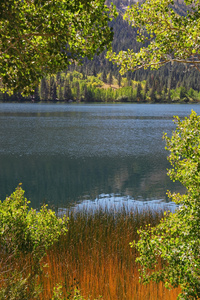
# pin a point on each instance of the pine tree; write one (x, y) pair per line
(36, 95)
(110, 79)
(139, 90)
(44, 89)
(60, 94)
(67, 94)
(53, 90)
(153, 92)
(119, 80)
(104, 76)
(146, 89)
(77, 91)
(94, 71)
(58, 78)
(183, 93)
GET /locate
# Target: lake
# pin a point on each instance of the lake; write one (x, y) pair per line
(87, 154)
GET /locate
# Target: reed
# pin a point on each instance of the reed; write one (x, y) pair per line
(95, 257)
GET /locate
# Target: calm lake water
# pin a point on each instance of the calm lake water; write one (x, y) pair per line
(69, 154)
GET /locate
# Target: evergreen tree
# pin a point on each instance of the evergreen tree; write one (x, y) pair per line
(146, 89)
(165, 89)
(36, 95)
(53, 90)
(119, 80)
(90, 95)
(158, 87)
(94, 71)
(104, 76)
(77, 90)
(183, 92)
(139, 90)
(110, 79)
(85, 93)
(58, 78)
(153, 92)
(44, 89)
(60, 93)
(67, 94)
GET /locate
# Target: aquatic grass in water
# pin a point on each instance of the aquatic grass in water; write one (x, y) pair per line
(95, 256)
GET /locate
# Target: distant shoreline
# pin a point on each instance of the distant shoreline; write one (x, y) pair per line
(102, 102)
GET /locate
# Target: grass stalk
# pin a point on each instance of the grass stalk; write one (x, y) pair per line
(95, 257)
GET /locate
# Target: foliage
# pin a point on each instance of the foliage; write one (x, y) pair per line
(176, 39)
(76, 295)
(19, 287)
(94, 257)
(176, 240)
(40, 37)
(27, 230)
(125, 38)
(25, 236)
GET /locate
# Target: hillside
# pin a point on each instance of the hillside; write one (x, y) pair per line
(125, 38)
(164, 82)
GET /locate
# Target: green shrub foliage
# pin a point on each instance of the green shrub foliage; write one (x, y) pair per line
(176, 240)
(27, 230)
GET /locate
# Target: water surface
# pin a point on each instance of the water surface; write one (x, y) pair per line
(78, 153)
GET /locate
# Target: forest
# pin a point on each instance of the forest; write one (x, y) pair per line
(77, 86)
(99, 80)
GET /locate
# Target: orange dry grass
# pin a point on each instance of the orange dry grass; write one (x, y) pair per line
(96, 256)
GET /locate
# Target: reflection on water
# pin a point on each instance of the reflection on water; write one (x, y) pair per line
(116, 202)
(61, 181)
(67, 154)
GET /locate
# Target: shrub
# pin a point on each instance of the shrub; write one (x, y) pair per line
(176, 240)
(26, 230)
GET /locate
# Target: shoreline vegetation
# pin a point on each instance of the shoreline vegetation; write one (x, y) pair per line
(93, 260)
(75, 86)
(98, 259)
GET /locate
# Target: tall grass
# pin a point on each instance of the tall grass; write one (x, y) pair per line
(96, 257)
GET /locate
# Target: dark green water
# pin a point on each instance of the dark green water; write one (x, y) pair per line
(72, 153)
